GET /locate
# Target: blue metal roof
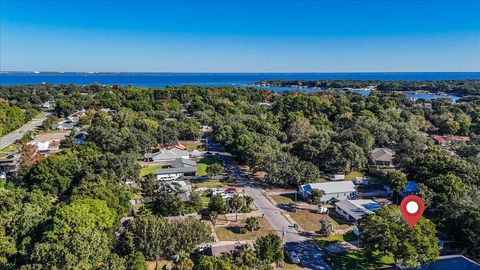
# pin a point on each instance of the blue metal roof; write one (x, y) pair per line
(411, 187)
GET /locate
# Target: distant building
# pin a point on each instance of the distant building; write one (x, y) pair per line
(340, 190)
(446, 140)
(451, 262)
(383, 156)
(165, 156)
(355, 209)
(410, 189)
(48, 105)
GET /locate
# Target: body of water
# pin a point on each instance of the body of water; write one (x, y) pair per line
(219, 79)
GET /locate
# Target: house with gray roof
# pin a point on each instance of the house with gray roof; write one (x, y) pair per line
(339, 190)
(178, 169)
(383, 156)
(166, 156)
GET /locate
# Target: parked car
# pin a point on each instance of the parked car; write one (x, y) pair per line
(293, 257)
(231, 190)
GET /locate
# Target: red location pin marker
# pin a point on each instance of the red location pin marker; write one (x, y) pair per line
(412, 209)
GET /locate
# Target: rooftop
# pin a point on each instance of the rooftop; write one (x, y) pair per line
(457, 262)
(331, 187)
(358, 208)
(383, 154)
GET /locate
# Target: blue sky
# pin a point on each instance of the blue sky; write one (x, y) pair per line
(240, 36)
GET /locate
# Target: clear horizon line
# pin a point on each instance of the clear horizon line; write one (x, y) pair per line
(231, 72)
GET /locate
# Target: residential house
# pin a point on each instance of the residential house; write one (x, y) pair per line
(176, 173)
(77, 115)
(353, 210)
(195, 154)
(65, 125)
(177, 170)
(48, 143)
(446, 140)
(383, 157)
(48, 105)
(10, 164)
(221, 248)
(166, 156)
(338, 191)
(457, 262)
(410, 189)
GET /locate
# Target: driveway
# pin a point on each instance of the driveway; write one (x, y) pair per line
(309, 254)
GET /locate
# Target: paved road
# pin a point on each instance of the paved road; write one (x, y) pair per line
(310, 255)
(18, 133)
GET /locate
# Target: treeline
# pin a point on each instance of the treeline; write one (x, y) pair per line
(459, 87)
(11, 117)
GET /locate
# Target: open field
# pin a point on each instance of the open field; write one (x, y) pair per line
(231, 232)
(352, 175)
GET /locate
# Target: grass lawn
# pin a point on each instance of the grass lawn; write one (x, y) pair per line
(191, 146)
(203, 164)
(205, 201)
(149, 170)
(287, 198)
(209, 184)
(352, 175)
(307, 220)
(231, 232)
(310, 221)
(9, 148)
(348, 260)
(336, 238)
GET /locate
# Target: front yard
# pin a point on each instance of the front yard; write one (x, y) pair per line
(203, 164)
(309, 220)
(149, 170)
(366, 260)
(232, 231)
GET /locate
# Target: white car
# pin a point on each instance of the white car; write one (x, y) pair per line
(294, 257)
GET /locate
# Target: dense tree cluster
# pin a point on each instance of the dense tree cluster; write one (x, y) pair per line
(294, 138)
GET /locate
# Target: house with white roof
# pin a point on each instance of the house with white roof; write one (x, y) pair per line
(355, 209)
(340, 190)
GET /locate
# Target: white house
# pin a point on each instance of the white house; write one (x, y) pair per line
(340, 190)
(355, 209)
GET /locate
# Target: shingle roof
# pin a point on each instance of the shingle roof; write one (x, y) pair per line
(383, 154)
(183, 162)
(167, 154)
(182, 169)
